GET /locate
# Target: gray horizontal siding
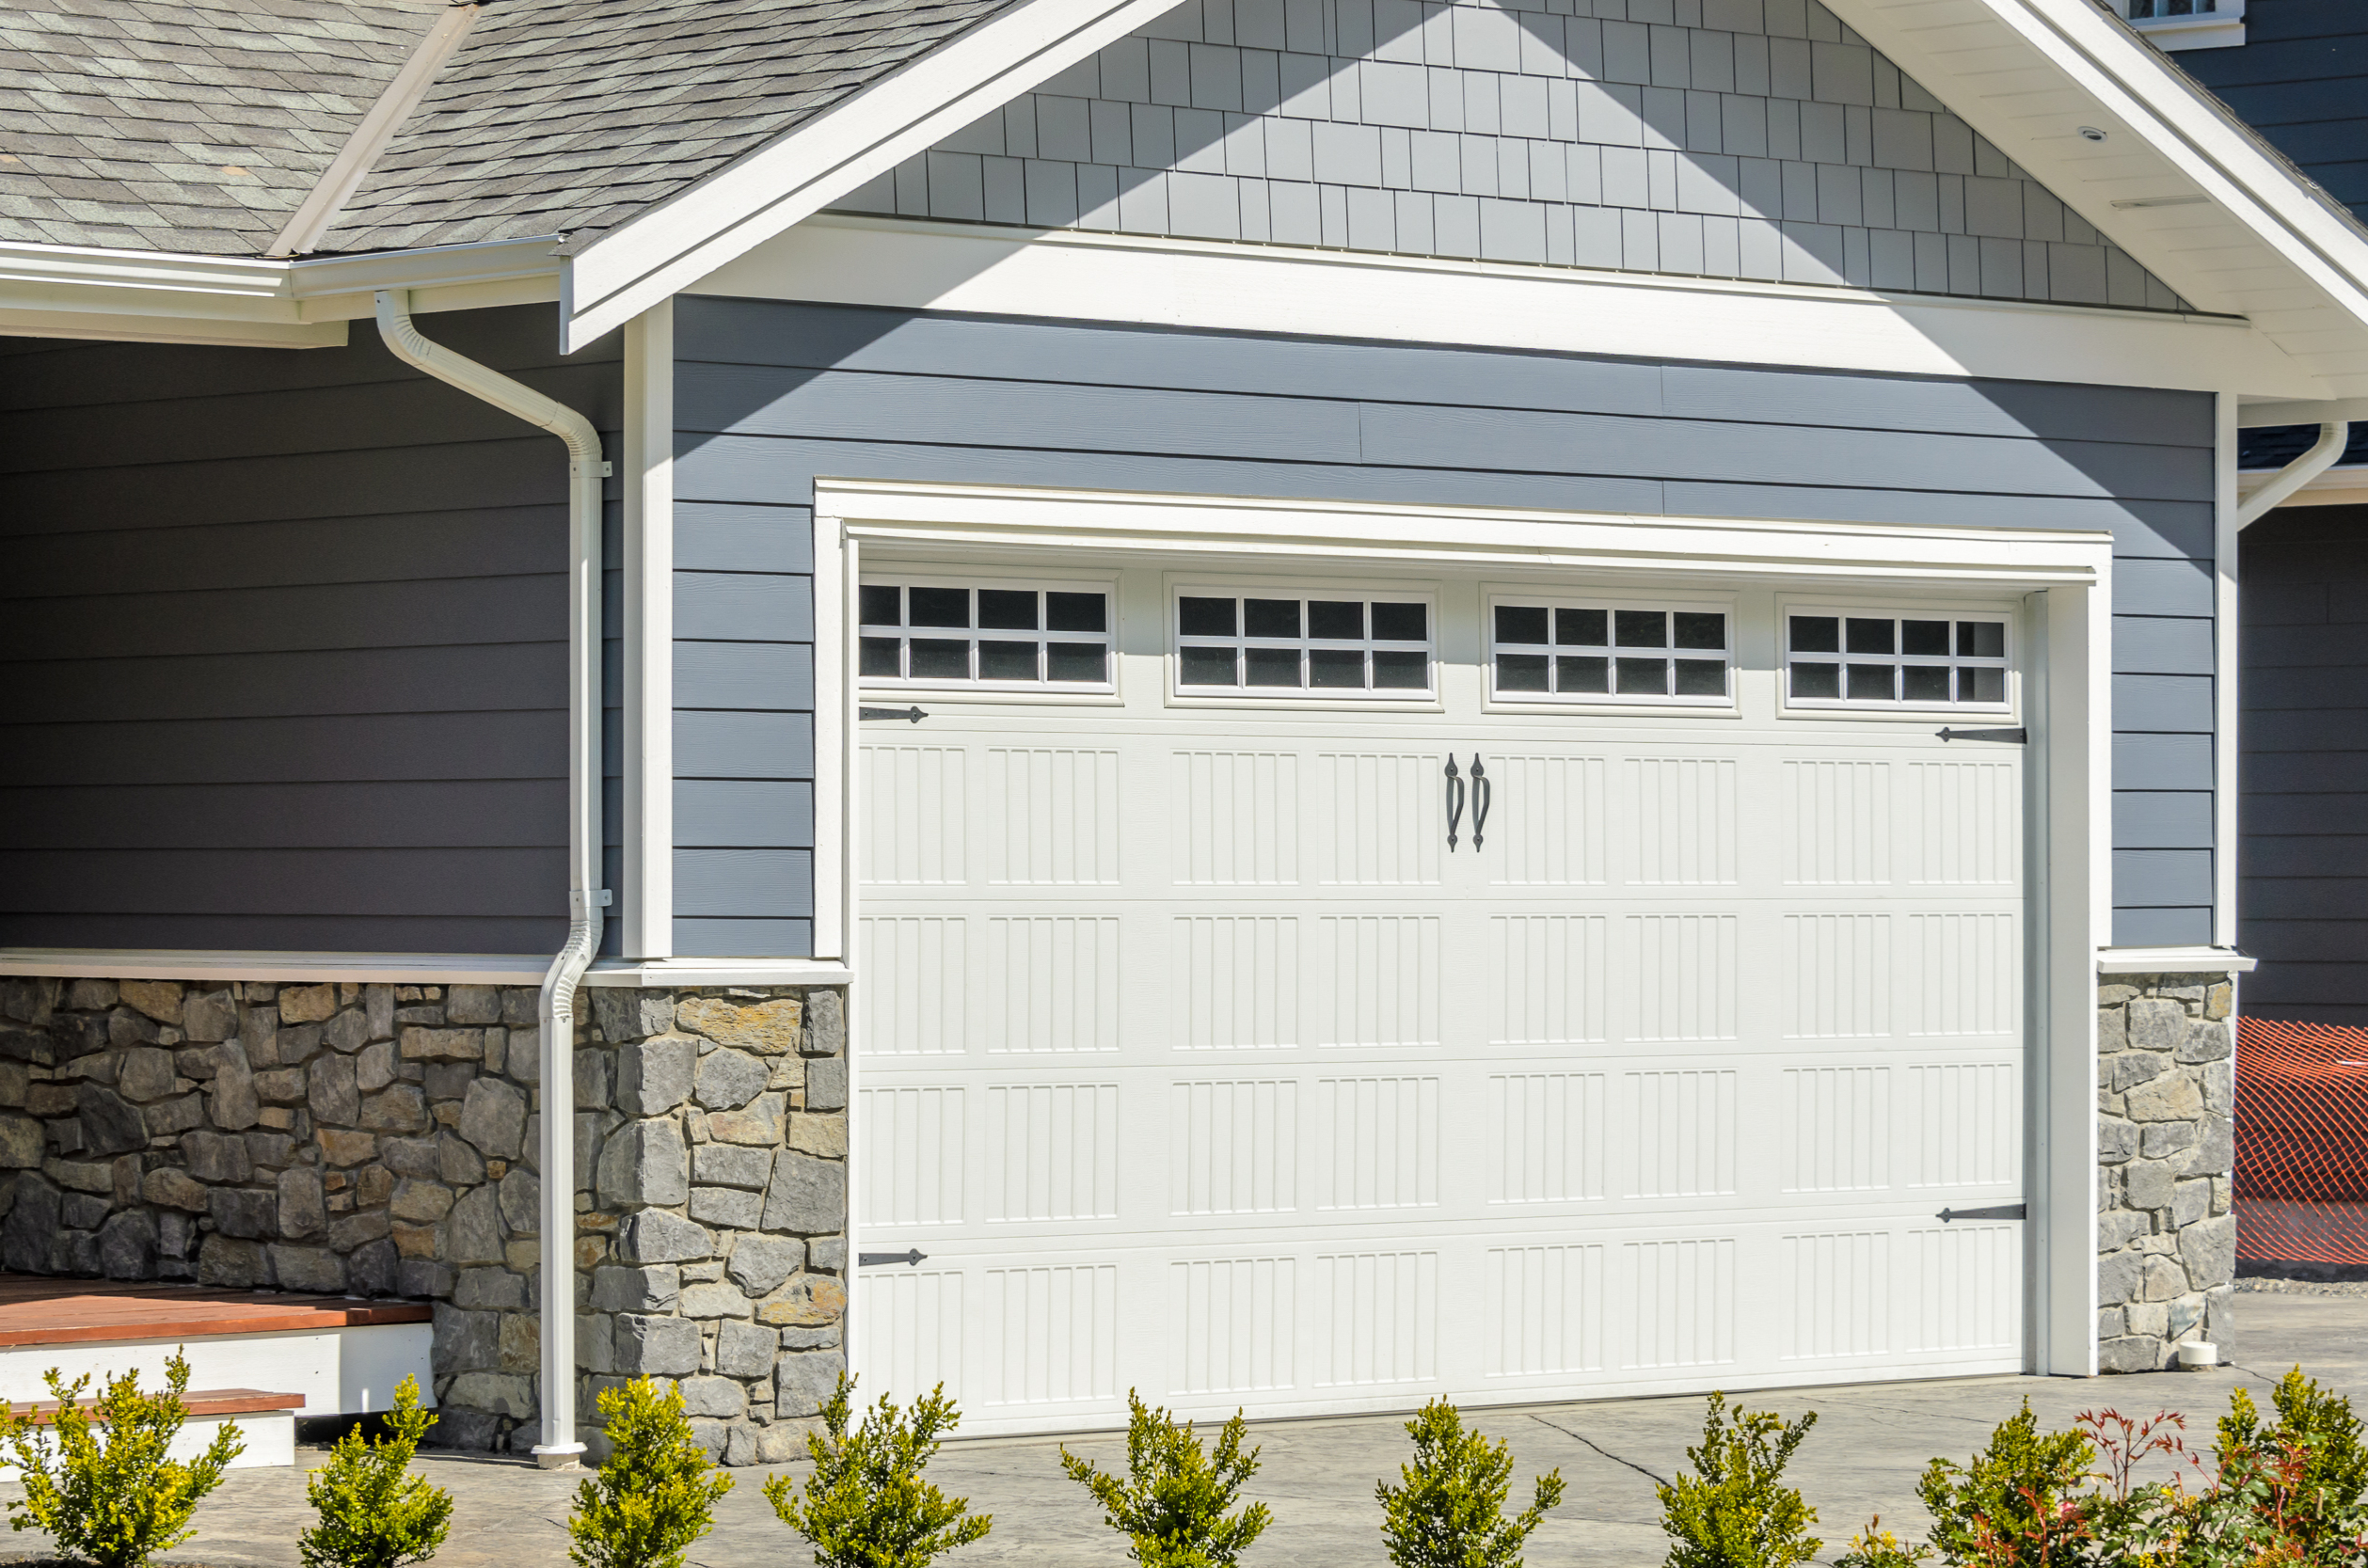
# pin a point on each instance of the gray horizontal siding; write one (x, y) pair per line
(283, 647)
(2302, 890)
(769, 395)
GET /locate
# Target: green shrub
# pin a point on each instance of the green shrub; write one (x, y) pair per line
(2016, 1503)
(654, 1495)
(1734, 1511)
(373, 1512)
(866, 1505)
(116, 1501)
(1448, 1511)
(1171, 1505)
(2287, 1492)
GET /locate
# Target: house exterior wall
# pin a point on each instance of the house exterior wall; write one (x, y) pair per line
(283, 645)
(1721, 138)
(2303, 889)
(2301, 80)
(769, 394)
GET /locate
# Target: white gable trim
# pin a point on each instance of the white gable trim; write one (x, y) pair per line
(666, 249)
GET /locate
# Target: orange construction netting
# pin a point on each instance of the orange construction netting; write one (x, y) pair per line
(2302, 1142)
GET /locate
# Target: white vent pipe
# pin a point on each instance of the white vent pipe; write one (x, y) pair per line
(585, 896)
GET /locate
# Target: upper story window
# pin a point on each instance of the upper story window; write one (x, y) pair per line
(1566, 651)
(1843, 661)
(1277, 644)
(2173, 25)
(1003, 636)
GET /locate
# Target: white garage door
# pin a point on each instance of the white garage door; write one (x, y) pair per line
(1314, 994)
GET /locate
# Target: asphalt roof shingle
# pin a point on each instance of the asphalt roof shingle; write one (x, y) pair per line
(552, 110)
(184, 125)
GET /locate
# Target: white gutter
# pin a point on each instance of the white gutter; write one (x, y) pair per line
(2333, 438)
(585, 897)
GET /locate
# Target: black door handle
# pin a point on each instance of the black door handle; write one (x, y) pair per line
(1454, 802)
(1481, 792)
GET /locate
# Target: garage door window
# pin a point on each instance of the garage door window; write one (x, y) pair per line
(1861, 661)
(1280, 644)
(1004, 636)
(1571, 650)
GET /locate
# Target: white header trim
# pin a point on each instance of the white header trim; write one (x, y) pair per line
(2173, 960)
(1201, 525)
(1079, 274)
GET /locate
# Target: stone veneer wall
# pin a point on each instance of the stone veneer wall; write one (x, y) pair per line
(722, 1195)
(380, 1140)
(2166, 1229)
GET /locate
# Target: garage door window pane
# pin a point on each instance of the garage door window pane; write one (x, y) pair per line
(1895, 662)
(1277, 644)
(1590, 656)
(939, 634)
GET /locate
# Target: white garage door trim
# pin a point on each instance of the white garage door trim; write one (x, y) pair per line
(2067, 620)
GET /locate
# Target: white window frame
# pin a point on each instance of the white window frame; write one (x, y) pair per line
(1588, 598)
(887, 575)
(1897, 610)
(1174, 589)
(2220, 28)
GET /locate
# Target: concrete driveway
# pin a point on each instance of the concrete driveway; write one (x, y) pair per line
(1870, 1443)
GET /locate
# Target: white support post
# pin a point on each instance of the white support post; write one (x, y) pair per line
(649, 633)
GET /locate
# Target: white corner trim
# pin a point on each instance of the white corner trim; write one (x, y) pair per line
(402, 969)
(2227, 605)
(659, 974)
(649, 633)
(887, 512)
(2173, 960)
(667, 248)
(1083, 274)
(836, 576)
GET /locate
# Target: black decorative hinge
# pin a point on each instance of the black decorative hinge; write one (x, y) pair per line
(2002, 1212)
(872, 1260)
(2011, 737)
(915, 714)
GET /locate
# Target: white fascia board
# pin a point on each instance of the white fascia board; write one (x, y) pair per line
(666, 249)
(2252, 416)
(405, 969)
(2173, 960)
(934, 515)
(1083, 274)
(146, 297)
(2335, 487)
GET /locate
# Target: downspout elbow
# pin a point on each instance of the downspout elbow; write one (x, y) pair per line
(2333, 439)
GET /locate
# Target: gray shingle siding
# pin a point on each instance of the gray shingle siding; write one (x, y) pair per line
(769, 395)
(1726, 139)
(282, 647)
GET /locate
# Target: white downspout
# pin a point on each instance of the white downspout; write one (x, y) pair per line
(2333, 439)
(585, 896)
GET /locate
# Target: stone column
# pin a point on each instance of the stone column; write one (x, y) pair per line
(714, 1229)
(2166, 1229)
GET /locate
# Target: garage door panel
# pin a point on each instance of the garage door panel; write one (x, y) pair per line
(1194, 1059)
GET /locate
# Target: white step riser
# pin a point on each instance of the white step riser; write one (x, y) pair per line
(270, 1434)
(339, 1372)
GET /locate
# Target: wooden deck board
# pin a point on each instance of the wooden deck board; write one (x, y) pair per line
(39, 1311)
